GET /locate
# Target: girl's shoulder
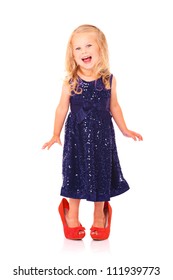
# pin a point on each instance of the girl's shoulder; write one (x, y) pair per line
(113, 80)
(108, 80)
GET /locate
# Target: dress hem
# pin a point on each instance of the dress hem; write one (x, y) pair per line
(97, 198)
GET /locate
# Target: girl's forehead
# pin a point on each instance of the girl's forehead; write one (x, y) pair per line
(83, 37)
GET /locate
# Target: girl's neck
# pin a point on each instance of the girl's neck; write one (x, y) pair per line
(87, 75)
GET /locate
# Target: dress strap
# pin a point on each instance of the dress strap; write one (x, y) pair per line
(111, 77)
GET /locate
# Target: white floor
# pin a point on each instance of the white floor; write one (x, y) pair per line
(31, 230)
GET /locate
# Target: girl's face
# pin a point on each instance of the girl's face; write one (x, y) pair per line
(85, 50)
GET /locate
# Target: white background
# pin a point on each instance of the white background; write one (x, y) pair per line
(33, 38)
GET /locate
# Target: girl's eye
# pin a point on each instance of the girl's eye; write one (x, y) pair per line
(77, 49)
(89, 45)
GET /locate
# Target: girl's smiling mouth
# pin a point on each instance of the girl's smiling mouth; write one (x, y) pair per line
(87, 59)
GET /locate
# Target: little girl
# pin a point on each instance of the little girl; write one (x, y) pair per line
(91, 168)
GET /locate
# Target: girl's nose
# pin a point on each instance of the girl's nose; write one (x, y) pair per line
(83, 51)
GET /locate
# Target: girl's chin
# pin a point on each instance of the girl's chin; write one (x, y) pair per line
(86, 67)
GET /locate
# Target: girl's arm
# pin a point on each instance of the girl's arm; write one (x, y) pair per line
(60, 115)
(118, 115)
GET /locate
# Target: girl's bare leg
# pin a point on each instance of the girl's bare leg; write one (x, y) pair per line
(99, 216)
(72, 217)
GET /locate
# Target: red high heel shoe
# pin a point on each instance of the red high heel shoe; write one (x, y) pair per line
(75, 233)
(103, 233)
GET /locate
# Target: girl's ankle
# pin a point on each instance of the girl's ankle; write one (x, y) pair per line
(99, 220)
(72, 221)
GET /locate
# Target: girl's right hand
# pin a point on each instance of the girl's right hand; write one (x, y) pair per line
(55, 139)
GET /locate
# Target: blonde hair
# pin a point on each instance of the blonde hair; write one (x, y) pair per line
(102, 68)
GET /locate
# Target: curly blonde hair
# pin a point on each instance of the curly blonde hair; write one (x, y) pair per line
(102, 68)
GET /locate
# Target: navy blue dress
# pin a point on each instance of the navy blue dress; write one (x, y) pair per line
(91, 168)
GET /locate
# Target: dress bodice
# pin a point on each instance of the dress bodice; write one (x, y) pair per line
(94, 98)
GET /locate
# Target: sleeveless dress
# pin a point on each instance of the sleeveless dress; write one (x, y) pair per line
(91, 168)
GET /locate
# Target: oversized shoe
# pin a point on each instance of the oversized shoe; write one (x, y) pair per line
(103, 233)
(75, 233)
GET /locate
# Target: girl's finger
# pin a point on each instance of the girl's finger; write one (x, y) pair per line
(140, 137)
(44, 146)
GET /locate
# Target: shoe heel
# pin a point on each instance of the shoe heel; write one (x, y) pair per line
(74, 233)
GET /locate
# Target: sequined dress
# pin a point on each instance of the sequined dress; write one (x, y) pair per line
(91, 168)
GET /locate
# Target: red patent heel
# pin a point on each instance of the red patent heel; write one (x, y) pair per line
(103, 233)
(75, 233)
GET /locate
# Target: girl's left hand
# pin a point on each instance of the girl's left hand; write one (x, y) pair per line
(132, 134)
